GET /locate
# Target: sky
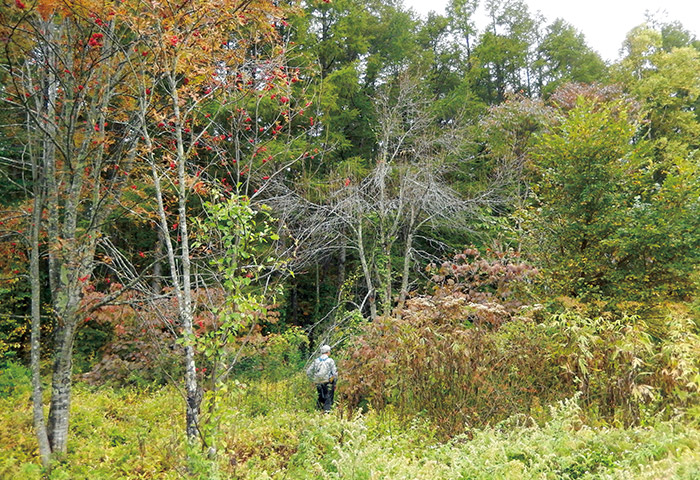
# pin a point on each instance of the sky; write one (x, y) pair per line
(604, 23)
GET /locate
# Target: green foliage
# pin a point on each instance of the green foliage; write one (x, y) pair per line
(502, 55)
(623, 373)
(115, 435)
(243, 238)
(277, 357)
(357, 45)
(565, 57)
(601, 224)
(244, 235)
(130, 434)
(15, 292)
(91, 338)
(613, 224)
(13, 334)
(561, 448)
(14, 379)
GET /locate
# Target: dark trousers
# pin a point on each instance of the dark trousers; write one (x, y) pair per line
(325, 396)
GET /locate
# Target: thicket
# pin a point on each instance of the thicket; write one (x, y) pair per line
(142, 350)
(472, 354)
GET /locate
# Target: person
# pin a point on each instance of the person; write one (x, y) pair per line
(324, 374)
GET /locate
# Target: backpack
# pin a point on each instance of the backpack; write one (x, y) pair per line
(320, 370)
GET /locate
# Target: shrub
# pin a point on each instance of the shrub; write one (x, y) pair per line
(141, 348)
(274, 356)
(457, 376)
(133, 434)
(483, 291)
(461, 376)
(15, 380)
(463, 356)
(142, 351)
(624, 373)
(470, 355)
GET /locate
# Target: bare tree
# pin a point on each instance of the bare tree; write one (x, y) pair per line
(405, 195)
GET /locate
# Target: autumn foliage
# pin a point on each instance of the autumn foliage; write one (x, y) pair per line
(484, 291)
(475, 352)
(440, 355)
(201, 192)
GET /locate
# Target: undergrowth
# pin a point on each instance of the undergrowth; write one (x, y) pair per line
(270, 431)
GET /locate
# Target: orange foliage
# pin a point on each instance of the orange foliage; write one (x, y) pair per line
(13, 253)
(47, 7)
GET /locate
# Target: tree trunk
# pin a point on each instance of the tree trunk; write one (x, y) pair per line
(59, 410)
(469, 53)
(156, 285)
(294, 301)
(35, 279)
(181, 284)
(194, 397)
(367, 273)
(317, 299)
(406, 271)
(341, 271)
(387, 277)
(59, 274)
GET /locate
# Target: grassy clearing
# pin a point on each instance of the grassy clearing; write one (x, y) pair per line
(268, 431)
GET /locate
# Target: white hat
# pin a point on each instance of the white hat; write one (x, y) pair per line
(325, 349)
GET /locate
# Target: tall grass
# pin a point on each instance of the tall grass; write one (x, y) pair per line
(271, 431)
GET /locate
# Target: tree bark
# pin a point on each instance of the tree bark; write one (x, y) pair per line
(341, 271)
(59, 410)
(35, 363)
(66, 306)
(406, 270)
(366, 272)
(156, 285)
(193, 399)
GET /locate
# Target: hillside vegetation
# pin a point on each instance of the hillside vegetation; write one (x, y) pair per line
(495, 232)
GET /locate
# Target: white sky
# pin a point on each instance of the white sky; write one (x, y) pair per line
(603, 22)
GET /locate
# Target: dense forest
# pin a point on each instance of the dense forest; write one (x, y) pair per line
(496, 231)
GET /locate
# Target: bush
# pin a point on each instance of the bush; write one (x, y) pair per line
(274, 356)
(433, 360)
(562, 448)
(463, 356)
(482, 291)
(458, 377)
(141, 349)
(15, 380)
(624, 373)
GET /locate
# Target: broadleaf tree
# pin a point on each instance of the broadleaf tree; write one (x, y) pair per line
(65, 70)
(134, 108)
(604, 219)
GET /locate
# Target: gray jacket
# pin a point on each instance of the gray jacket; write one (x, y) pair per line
(322, 370)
